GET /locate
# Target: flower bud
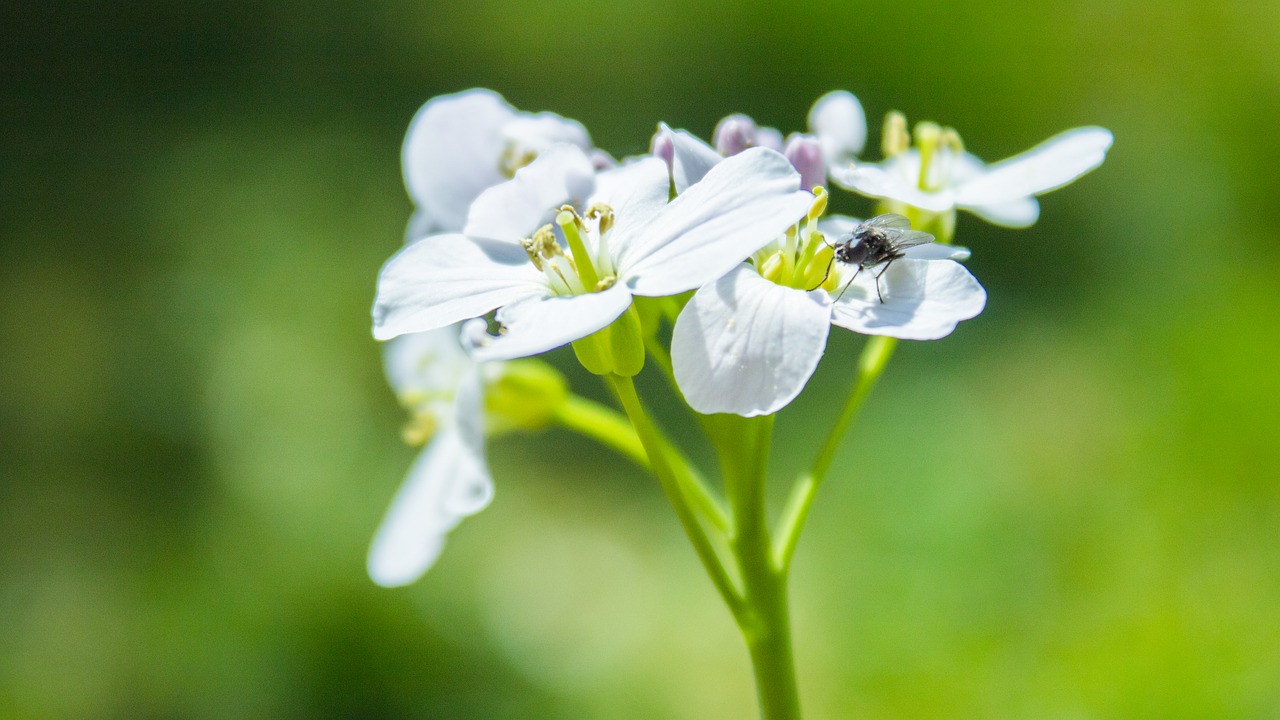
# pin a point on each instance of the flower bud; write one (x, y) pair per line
(805, 154)
(525, 395)
(617, 349)
(734, 134)
(663, 147)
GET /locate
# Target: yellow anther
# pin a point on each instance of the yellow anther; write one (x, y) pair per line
(927, 134)
(604, 214)
(531, 249)
(772, 268)
(606, 283)
(951, 140)
(419, 429)
(544, 241)
(513, 158)
(894, 138)
(819, 205)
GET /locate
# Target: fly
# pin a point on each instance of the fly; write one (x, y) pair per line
(879, 240)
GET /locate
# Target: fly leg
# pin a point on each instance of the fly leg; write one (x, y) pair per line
(881, 273)
(846, 285)
(825, 275)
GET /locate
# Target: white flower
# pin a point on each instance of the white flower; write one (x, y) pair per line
(839, 123)
(461, 144)
(938, 175)
(629, 241)
(837, 133)
(443, 389)
(748, 343)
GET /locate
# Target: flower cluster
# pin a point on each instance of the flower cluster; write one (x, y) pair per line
(527, 238)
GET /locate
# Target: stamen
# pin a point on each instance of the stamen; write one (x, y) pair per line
(949, 148)
(894, 138)
(550, 259)
(419, 429)
(531, 249)
(571, 225)
(605, 215)
(513, 158)
(927, 136)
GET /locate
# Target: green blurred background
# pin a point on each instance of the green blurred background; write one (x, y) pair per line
(1070, 509)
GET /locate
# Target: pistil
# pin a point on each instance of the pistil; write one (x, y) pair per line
(571, 225)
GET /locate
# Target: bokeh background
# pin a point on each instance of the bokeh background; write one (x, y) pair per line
(1070, 509)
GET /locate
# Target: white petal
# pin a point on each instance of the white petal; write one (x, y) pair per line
(425, 362)
(470, 493)
(536, 326)
(1051, 164)
(637, 192)
(936, 251)
(451, 154)
(741, 205)
(516, 208)
(923, 300)
(443, 279)
(1019, 213)
(882, 181)
(692, 158)
(427, 507)
(420, 226)
(839, 122)
(747, 346)
(538, 132)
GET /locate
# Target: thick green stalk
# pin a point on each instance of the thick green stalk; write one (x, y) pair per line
(602, 424)
(663, 463)
(764, 620)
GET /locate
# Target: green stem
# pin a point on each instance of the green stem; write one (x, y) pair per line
(764, 621)
(602, 424)
(657, 448)
(702, 494)
(875, 356)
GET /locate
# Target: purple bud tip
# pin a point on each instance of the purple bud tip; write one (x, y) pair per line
(663, 147)
(734, 134)
(805, 154)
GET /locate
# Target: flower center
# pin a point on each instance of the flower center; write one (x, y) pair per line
(589, 266)
(802, 258)
(426, 408)
(938, 147)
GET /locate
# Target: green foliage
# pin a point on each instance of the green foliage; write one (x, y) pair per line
(1069, 509)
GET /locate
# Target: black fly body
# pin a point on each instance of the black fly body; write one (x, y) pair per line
(880, 240)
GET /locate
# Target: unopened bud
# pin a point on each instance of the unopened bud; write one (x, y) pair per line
(525, 395)
(805, 154)
(662, 146)
(734, 134)
(767, 137)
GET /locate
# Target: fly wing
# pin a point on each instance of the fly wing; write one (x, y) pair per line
(888, 221)
(908, 238)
